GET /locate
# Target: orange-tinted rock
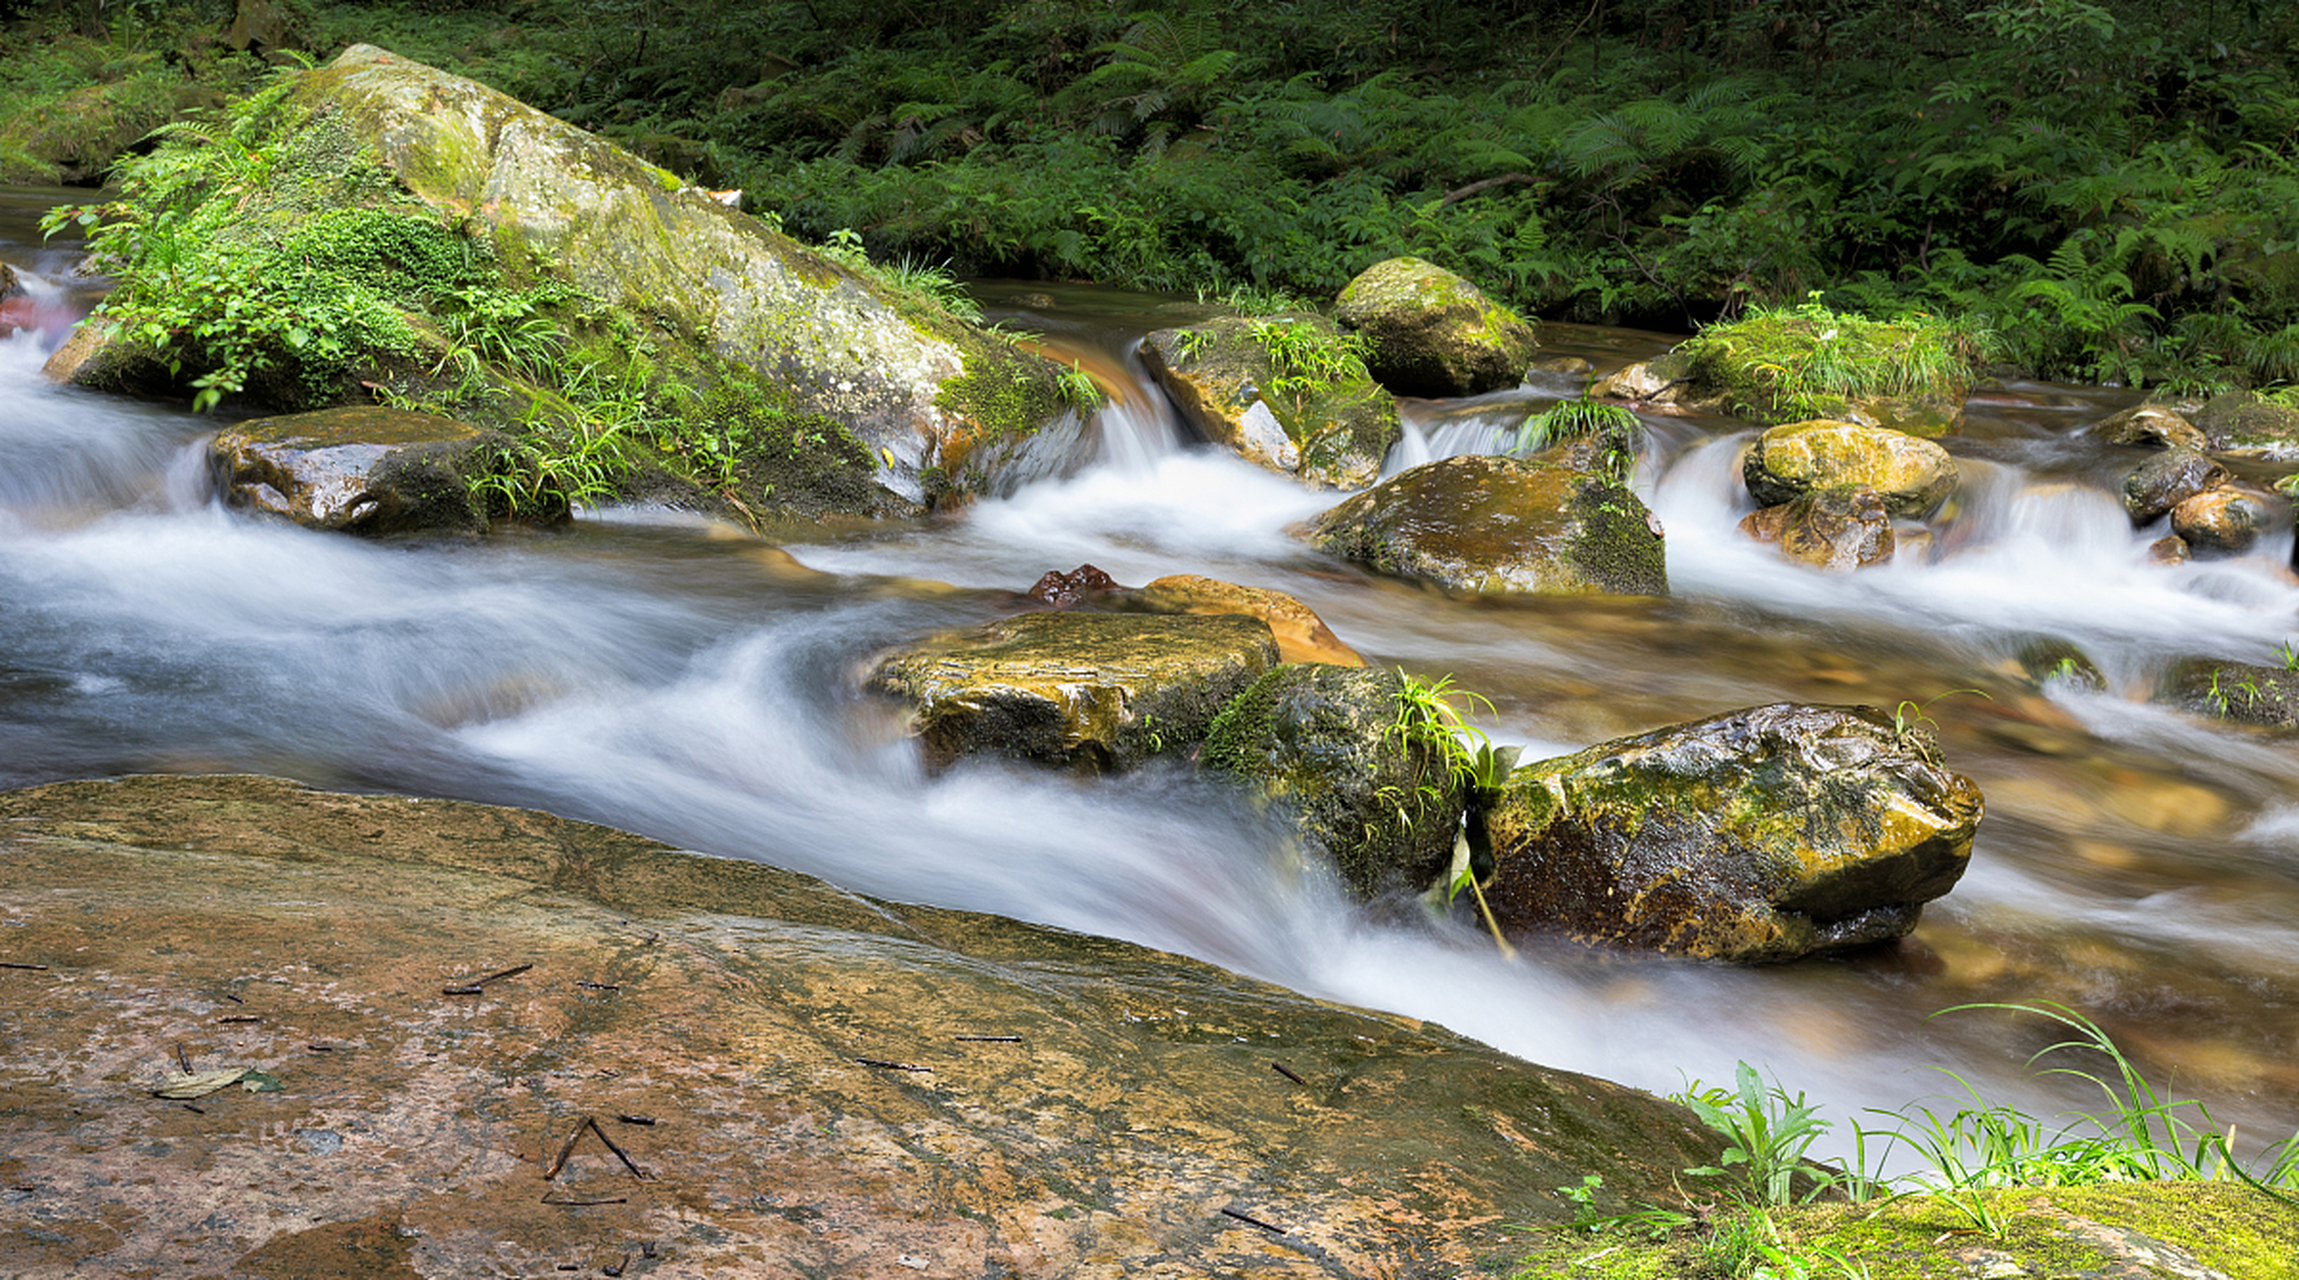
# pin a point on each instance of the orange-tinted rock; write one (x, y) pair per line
(1302, 636)
(1842, 528)
(740, 1007)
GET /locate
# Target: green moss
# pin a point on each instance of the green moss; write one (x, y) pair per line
(1792, 363)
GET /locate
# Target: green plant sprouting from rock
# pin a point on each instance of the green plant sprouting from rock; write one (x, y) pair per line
(1780, 364)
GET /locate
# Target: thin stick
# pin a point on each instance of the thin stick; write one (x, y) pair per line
(471, 988)
(991, 1039)
(567, 1149)
(892, 1066)
(580, 1203)
(18, 964)
(1286, 1071)
(1252, 1221)
(620, 1154)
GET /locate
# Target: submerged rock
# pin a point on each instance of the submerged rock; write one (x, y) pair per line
(1502, 526)
(805, 1049)
(1432, 332)
(2237, 692)
(1233, 383)
(2049, 660)
(1759, 835)
(357, 470)
(1302, 636)
(1913, 476)
(1841, 528)
(2167, 479)
(1087, 691)
(2242, 424)
(2226, 519)
(1321, 744)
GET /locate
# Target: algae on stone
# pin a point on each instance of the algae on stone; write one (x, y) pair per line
(1433, 333)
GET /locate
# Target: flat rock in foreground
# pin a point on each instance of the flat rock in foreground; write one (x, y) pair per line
(755, 1015)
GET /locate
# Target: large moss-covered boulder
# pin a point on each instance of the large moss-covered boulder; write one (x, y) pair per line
(1839, 528)
(74, 136)
(1759, 835)
(1795, 364)
(1431, 332)
(812, 1082)
(1084, 691)
(1502, 526)
(933, 400)
(358, 470)
(1912, 475)
(1287, 392)
(1323, 744)
(2241, 423)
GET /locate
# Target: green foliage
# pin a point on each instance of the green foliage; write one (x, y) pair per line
(1579, 419)
(1308, 359)
(1783, 364)
(1766, 1133)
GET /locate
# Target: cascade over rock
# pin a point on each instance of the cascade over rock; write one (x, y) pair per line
(1330, 428)
(1502, 526)
(357, 470)
(806, 1053)
(1913, 476)
(1841, 527)
(1086, 691)
(1758, 835)
(1432, 332)
(1321, 744)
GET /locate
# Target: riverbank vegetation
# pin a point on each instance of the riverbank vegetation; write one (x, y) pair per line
(2105, 186)
(1988, 1176)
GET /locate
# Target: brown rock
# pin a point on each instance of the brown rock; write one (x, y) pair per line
(356, 470)
(1913, 476)
(1841, 528)
(751, 1013)
(1062, 590)
(2166, 480)
(2150, 426)
(1302, 636)
(2168, 549)
(2229, 518)
(1086, 691)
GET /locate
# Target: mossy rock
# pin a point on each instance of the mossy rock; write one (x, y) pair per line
(1320, 743)
(2148, 425)
(2243, 693)
(1301, 635)
(1092, 692)
(1502, 526)
(1433, 333)
(2218, 1230)
(2241, 423)
(928, 398)
(367, 471)
(1755, 836)
(75, 137)
(1332, 432)
(1913, 476)
(1802, 363)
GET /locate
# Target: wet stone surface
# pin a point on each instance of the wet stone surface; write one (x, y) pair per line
(799, 1081)
(359, 470)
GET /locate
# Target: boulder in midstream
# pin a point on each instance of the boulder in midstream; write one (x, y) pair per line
(1086, 691)
(2166, 479)
(1281, 391)
(1758, 835)
(2149, 425)
(1841, 528)
(2236, 692)
(1321, 744)
(1302, 636)
(1913, 476)
(2245, 425)
(1502, 526)
(1431, 332)
(2227, 520)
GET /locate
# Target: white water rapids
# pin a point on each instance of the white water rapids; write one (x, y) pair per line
(658, 674)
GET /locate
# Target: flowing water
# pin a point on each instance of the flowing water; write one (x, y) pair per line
(676, 678)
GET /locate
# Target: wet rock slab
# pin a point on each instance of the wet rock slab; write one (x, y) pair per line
(1755, 836)
(1123, 1102)
(356, 470)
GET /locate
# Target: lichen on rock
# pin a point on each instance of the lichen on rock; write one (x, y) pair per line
(1431, 332)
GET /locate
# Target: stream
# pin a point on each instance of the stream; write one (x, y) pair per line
(670, 676)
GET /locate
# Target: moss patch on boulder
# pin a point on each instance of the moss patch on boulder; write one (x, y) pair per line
(1431, 332)
(1287, 392)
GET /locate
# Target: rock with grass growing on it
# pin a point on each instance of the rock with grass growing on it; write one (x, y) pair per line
(1502, 526)
(1335, 750)
(1755, 836)
(2237, 692)
(358, 470)
(1289, 393)
(1090, 692)
(1432, 333)
(1790, 364)
(1912, 476)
